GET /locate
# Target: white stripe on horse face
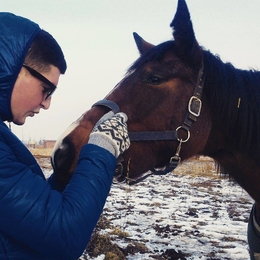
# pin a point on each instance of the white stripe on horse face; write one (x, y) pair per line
(58, 144)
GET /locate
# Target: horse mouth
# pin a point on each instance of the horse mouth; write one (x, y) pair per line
(122, 174)
(61, 161)
(119, 174)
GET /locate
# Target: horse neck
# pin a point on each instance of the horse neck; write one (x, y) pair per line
(234, 99)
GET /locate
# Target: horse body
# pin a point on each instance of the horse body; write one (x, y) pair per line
(155, 95)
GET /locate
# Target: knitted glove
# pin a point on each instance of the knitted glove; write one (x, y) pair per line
(111, 133)
(103, 118)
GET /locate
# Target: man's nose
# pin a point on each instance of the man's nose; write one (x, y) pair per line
(46, 103)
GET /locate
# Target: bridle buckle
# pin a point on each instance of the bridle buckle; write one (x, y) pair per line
(194, 106)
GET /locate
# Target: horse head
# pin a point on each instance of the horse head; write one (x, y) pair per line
(160, 93)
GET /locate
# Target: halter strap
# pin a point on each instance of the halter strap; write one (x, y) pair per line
(139, 136)
(108, 103)
(153, 136)
(195, 104)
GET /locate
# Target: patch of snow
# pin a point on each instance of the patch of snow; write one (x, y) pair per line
(201, 217)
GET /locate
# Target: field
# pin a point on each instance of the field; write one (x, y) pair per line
(192, 213)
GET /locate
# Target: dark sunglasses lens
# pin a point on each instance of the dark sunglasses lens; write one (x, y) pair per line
(49, 94)
(39, 76)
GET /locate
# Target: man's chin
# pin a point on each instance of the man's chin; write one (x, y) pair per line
(19, 122)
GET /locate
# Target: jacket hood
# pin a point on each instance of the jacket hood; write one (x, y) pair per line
(16, 36)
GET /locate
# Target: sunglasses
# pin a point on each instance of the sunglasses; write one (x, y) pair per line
(39, 76)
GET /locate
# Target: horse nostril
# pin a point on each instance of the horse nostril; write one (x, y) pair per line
(60, 156)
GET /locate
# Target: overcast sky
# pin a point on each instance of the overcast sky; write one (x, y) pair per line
(96, 37)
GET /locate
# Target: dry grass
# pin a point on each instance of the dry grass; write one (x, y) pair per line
(42, 155)
(102, 244)
(41, 152)
(199, 166)
(118, 232)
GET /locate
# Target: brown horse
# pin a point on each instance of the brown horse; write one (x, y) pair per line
(162, 95)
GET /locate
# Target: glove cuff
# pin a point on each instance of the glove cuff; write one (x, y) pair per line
(104, 141)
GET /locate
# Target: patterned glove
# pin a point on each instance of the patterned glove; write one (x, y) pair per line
(111, 133)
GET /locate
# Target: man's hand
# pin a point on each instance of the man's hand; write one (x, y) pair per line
(111, 133)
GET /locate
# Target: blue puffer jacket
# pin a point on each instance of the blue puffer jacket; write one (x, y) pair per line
(36, 221)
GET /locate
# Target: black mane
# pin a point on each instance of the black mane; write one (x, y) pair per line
(234, 96)
(154, 54)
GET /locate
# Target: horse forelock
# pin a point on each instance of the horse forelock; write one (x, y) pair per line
(154, 54)
(187, 67)
(234, 95)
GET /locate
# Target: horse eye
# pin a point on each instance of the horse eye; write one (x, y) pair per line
(154, 80)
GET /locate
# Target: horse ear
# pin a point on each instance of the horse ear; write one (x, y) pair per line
(183, 31)
(141, 44)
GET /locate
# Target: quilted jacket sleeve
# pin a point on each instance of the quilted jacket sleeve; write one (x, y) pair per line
(47, 220)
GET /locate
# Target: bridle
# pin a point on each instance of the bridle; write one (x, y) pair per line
(193, 112)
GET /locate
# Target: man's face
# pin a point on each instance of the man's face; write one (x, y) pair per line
(29, 94)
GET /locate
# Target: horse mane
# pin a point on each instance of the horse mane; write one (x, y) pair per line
(154, 54)
(234, 97)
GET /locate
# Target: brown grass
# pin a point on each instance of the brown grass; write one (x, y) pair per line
(199, 166)
(41, 152)
(102, 244)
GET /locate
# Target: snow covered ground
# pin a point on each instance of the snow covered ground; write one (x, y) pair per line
(189, 214)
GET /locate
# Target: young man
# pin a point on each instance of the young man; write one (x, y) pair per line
(36, 221)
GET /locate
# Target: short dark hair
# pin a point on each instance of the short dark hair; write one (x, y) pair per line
(45, 51)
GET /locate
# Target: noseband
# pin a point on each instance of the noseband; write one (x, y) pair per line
(194, 109)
